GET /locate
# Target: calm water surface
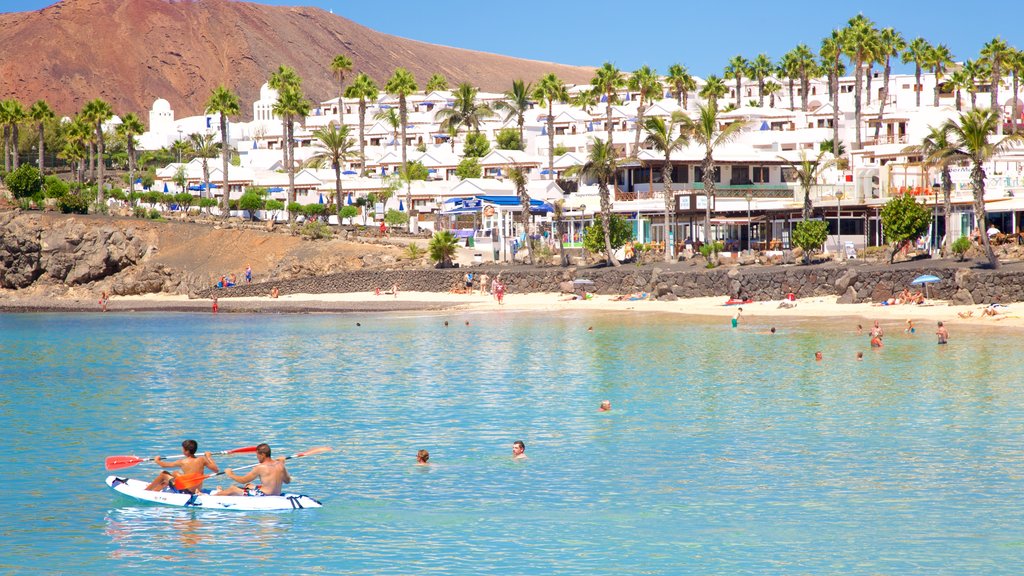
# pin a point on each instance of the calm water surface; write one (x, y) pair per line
(726, 452)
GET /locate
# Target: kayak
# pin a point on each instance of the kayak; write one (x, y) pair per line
(137, 489)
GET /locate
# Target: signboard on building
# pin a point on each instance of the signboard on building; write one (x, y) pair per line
(378, 211)
(692, 203)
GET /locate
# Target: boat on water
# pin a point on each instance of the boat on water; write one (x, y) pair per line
(137, 489)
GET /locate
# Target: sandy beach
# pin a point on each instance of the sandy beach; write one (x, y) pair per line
(766, 312)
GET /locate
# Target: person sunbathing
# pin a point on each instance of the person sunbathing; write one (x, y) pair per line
(967, 314)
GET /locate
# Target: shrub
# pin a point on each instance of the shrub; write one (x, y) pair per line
(413, 251)
(73, 203)
(25, 182)
(904, 220)
(468, 168)
(313, 210)
(295, 208)
(315, 230)
(508, 139)
(810, 235)
(252, 201)
(476, 145)
(99, 208)
(139, 212)
(593, 237)
(154, 214)
(442, 248)
(560, 150)
(395, 218)
(55, 187)
(26, 204)
(185, 200)
(348, 212)
(960, 246)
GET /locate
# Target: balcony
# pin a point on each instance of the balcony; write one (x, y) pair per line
(892, 139)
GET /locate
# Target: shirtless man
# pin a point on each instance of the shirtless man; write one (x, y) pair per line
(271, 473)
(190, 465)
(942, 333)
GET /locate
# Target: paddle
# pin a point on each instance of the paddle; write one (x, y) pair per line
(119, 462)
(189, 481)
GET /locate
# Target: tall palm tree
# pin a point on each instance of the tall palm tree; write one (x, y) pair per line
(437, 83)
(365, 90)
(41, 113)
(465, 112)
(289, 93)
(890, 43)
(736, 69)
(939, 59)
(667, 137)
(225, 103)
(340, 66)
(601, 166)
(874, 55)
(971, 136)
(12, 114)
(939, 151)
(917, 51)
(760, 68)
(831, 50)
(714, 88)
(551, 89)
(586, 100)
(857, 45)
(390, 117)
(996, 51)
(1015, 64)
(704, 130)
(787, 69)
(77, 135)
(333, 148)
(130, 127)
(976, 72)
(771, 88)
(205, 147)
(97, 112)
(516, 104)
(958, 81)
(607, 81)
(803, 61)
(517, 175)
(808, 173)
(403, 84)
(645, 82)
(682, 83)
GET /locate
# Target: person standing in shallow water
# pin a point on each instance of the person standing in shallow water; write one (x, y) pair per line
(736, 317)
(942, 333)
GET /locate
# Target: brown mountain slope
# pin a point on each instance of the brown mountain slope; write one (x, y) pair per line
(130, 52)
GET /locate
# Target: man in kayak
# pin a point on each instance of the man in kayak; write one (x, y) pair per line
(190, 465)
(271, 472)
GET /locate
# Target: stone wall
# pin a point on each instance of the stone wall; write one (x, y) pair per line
(852, 283)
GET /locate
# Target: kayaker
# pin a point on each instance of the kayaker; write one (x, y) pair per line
(272, 474)
(190, 465)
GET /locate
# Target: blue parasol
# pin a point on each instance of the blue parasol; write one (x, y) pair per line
(925, 279)
(401, 206)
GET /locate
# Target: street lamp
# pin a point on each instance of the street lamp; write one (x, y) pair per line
(935, 214)
(839, 222)
(750, 225)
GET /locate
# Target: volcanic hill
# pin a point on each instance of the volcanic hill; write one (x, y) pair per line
(131, 52)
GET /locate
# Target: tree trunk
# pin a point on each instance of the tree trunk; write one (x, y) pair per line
(974, 98)
(639, 124)
(996, 77)
(938, 73)
(1014, 113)
(834, 83)
(404, 115)
(7, 148)
(522, 139)
(760, 91)
(551, 140)
(807, 203)
(99, 161)
(42, 157)
(338, 194)
(606, 209)
(224, 189)
(885, 96)
(563, 257)
(290, 168)
(858, 83)
(524, 218)
(805, 87)
(867, 83)
(709, 187)
(679, 96)
(14, 146)
(608, 119)
(917, 84)
(978, 179)
(947, 207)
(959, 100)
(739, 86)
(666, 179)
(131, 170)
(792, 98)
(362, 139)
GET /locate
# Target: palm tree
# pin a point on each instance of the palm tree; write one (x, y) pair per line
(601, 166)
(225, 103)
(771, 88)
(705, 131)
(803, 60)
(939, 152)
(874, 55)
(130, 127)
(736, 70)
(1015, 63)
(365, 90)
(808, 172)
(644, 81)
(760, 68)
(939, 58)
(40, 113)
(971, 137)
(996, 51)
(97, 112)
(976, 72)
(586, 100)
(333, 148)
(713, 89)
(682, 83)
(77, 135)
(551, 89)
(402, 84)
(958, 81)
(12, 114)
(831, 50)
(289, 98)
(516, 104)
(667, 138)
(891, 43)
(857, 45)
(917, 52)
(608, 80)
(466, 111)
(437, 83)
(390, 117)
(517, 175)
(442, 248)
(205, 147)
(787, 69)
(557, 216)
(340, 66)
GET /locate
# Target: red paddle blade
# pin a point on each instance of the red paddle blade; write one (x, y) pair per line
(242, 450)
(118, 462)
(188, 481)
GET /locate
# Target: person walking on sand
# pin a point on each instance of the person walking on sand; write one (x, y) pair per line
(483, 283)
(215, 307)
(942, 333)
(499, 291)
(736, 317)
(103, 300)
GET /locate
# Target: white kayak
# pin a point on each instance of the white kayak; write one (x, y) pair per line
(137, 489)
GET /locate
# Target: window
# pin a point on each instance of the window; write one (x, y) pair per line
(740, 175)
(759, 174)
(788, 174)
(698, 174)
(681, 174)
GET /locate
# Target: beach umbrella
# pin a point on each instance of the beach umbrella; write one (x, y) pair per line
(321, 198)
(401, 206)
(925, 279)
(165, 188)
(349, 199)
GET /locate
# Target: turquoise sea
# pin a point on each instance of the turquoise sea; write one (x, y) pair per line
(726, 451)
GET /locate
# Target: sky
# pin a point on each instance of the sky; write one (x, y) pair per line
(702, 35)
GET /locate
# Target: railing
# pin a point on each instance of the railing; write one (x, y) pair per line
(721, 190)
(894, 139)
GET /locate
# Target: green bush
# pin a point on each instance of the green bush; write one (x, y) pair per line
(593, 237)
(315, 230)
(139, 212)
(396, 218)
(468, 168)
(810, 235)
(904, 220)
(960, 246)
(295, 208)
(710, 249)
(99, 208)
(413, 251)
(348, 212)
(508, 139)
(442, 248)
(26, 204)
(313, 210)
(252, 201)
(154, 214)
(25, 182)
(73, 203)
(55, 187)
(476, 145)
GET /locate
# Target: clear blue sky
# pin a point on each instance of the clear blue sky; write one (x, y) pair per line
(701, 35)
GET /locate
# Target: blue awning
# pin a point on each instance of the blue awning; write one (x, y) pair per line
(275, 189)
(350, 172)
(475, 204)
